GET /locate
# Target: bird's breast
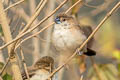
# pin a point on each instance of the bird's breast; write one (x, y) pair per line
(67, 39)
(43, 75)
(40, 75)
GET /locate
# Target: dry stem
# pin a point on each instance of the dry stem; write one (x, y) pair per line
(8, 37)
(35, 41)
(28, 31)
(34, 16)
(33, 35)
(79, 1)
(13, 5)
(24, 64)
(5, 66)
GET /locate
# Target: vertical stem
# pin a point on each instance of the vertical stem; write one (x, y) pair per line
(49, 30)
(5, 26)
(8, 37)
(24, 64)
(35, 41)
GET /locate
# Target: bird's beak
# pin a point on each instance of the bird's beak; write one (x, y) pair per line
(57, 21)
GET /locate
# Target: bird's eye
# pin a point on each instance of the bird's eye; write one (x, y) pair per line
(57, 20)
(64, 19)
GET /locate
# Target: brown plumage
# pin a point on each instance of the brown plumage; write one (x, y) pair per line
(41, 69)
(68, 35)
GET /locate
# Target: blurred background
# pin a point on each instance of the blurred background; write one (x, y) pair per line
(104, 66)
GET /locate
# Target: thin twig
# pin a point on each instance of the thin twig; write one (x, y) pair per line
(39, 5)
(39, 37)
(24, 64)
(91, 6)
(73, 5)
(30, 21)
(102, 7)
(14, 29)
(5, 66)
(19, 12)
(85, 42)
(33, 35)
(28, 31)
(34, 17)
(15, 4)
(35, 41)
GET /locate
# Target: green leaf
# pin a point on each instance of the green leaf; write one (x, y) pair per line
(1, 32)
(7, 77)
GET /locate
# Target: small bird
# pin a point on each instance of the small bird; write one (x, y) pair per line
(41, 69)
(68, 35)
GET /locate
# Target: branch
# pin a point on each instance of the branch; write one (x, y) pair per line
(24, 64)
(15, 4)
(34, 35)
(28, 31)
(42, 3)
(1, 73)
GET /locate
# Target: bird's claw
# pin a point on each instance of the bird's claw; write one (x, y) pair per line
(79, 52)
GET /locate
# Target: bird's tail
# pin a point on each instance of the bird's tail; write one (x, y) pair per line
(90, 52)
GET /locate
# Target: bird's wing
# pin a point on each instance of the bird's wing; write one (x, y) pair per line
(31, 73)
(87, 30)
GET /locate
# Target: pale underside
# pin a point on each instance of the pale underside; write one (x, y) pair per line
(67, 38)
(42, 75)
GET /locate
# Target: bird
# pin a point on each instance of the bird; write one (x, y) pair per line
(41, 69)
(68, 35)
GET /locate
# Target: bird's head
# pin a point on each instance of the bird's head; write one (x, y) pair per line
(62, 17)
(46, 63)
